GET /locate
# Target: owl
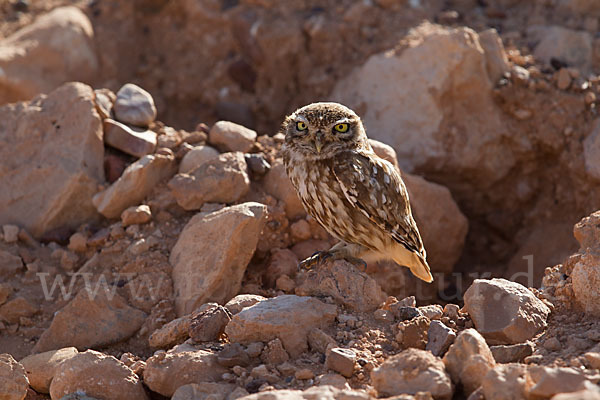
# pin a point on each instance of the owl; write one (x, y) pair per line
(358, 197)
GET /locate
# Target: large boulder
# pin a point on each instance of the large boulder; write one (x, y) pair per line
(51, 160)
(413, 120)
(58, 47)
(212, 253)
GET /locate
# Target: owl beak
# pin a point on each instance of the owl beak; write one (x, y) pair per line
(318, 145)
(318, 142)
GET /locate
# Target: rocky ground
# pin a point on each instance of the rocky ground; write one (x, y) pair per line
(149, 238)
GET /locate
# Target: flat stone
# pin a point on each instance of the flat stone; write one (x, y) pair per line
(196, 157)
(512, 353)
(166, 372)
(172, 333)
(91, 320)
(241, 301)
(286, 317)
(136, 142)
(134, 106)
(208, 323)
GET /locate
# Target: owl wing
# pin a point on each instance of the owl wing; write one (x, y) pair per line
(374, 187)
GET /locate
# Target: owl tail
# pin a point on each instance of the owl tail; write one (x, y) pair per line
(415, 262)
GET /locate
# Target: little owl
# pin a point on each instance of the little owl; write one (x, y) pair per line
(355, 195)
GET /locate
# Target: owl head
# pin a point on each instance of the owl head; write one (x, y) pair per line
(320, 130)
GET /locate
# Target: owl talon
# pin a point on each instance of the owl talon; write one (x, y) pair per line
(315, 259)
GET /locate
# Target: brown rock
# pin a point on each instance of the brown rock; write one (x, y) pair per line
(166, 372)
(300, 230)
(569, 46)
(13, 380)
(67, 169)
(505, 312)
(551, 381)
(9, 264)
(42, 367)
(439, 338)
(172, 333)
(134, 141)
(197, 156)
(137, 181)
(58, 47)
(5, 292)
(563, 80)
(241, 301)
(208, 323)
(274, 353)
(220, 180)
(286, 317)
(414, 332)
(320, 341)
(204, 391)
(11, 233)
(97, 375)
(588, 394)
(16, 308)
(496, 60)
(283, 262)
(341, 360)
(346, 284)
(507, 381)
(316, 392)
(233, 354)
(469, 360)
(78, 242)
(91, 319)
(230, 136)
(277, 184)
(205, 270)
(512, 353)
(410, 372)
(136, 215)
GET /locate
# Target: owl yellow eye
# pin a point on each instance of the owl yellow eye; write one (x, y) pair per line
(342, 128)
(301, 126)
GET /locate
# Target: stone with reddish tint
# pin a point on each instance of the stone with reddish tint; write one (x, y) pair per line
(469, 360)
(137, 181)
(206, 270)
(241, 301)
(97, 375)
(220, 180)
(13, 379)
(345, 284)
(135, 142)
(172, 333)
(208, 323)
(278, 185)
(91, 319)
(166, 372)
(341, 360)
(505, 312)
(41, 367)
(286, 317)
(197, 156)
(410, 372)
(230, 136)
(136, 215)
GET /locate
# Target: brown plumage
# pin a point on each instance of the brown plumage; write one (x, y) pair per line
(355, 195)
